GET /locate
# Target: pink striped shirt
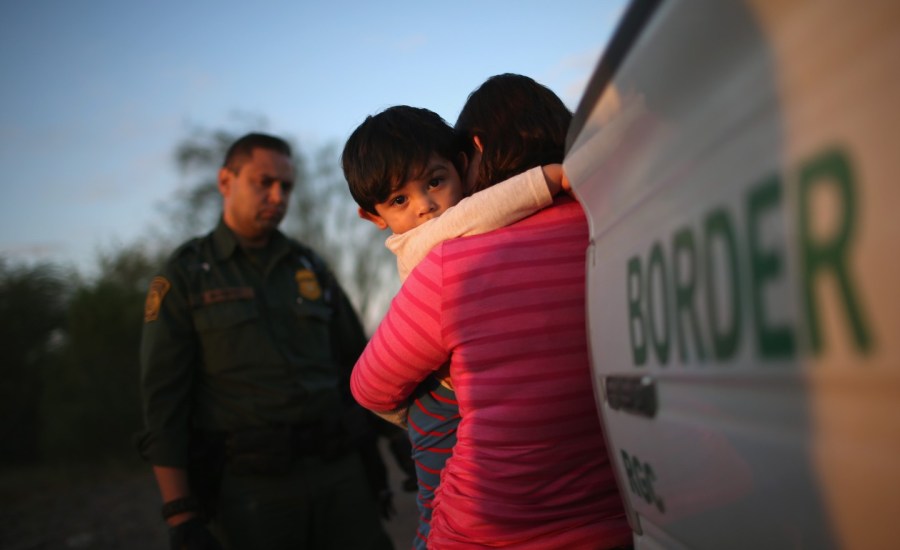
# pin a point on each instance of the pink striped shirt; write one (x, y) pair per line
(530, 468)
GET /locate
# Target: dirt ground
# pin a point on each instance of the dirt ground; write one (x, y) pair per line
(115, 507)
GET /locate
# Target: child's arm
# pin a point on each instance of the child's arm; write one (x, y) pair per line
(497, 206)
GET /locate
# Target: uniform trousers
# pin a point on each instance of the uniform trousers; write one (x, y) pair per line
(310, 507)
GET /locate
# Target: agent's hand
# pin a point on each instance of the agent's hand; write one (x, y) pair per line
(192, 535)
(410, 485)
(386, 504)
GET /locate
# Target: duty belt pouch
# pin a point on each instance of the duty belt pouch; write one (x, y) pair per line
(259, 451)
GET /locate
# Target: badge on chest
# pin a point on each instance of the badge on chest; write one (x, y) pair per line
(307, 284)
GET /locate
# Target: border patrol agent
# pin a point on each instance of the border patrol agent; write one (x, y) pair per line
(247, 346)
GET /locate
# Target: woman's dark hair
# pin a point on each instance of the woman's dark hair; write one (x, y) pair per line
(520, 123)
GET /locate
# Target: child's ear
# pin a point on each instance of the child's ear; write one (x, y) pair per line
(462, 164)
(374, 218)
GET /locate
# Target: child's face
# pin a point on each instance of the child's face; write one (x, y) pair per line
(420, 199)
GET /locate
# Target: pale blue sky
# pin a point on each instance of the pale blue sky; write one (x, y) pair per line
(96, 93)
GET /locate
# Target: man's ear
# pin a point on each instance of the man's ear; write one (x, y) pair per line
(374, 218)
(225, 176)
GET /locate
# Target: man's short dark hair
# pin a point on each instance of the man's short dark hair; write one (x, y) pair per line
(393, 147)
(242, 149)
(521, 124)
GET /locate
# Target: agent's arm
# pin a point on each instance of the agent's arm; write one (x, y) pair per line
(168, 356)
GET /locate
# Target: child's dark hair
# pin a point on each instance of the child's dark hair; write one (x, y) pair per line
(392, 147)
(520, 123)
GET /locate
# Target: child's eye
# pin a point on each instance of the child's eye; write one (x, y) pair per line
(434, 182)
(399, 200)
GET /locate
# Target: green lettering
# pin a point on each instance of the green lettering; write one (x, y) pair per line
(830, 255)
(647, 479)
(657, 266)
(683, 246)
(657, 499)
(773, 341)
(635, 314)
(719, 227)
(629, 470)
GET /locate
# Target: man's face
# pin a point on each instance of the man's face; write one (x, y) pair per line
(419, 199)
(256, 197)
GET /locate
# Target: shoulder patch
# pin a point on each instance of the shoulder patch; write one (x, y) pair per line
(159, 286)
(307, 284)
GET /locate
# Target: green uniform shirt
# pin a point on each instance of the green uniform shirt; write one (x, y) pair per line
(234, 339)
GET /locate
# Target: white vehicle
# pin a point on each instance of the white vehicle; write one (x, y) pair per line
(740, 166)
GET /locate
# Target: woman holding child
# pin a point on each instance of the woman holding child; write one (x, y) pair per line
(506, 309)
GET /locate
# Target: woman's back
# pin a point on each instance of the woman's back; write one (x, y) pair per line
(530, 464)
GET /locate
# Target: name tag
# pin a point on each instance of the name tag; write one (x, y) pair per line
(228, 294)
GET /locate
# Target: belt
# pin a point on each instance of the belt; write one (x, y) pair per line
(271, 450)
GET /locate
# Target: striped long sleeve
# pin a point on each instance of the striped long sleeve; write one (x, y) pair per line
(529, 468)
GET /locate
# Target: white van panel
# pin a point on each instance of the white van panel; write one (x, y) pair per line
(741, 175)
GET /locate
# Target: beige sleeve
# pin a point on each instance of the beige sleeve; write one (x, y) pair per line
(497, 206)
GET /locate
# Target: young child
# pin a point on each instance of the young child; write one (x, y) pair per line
(403, 167)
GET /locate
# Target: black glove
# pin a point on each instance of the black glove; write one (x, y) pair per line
(192, 535)
(410, 485)
(386, 504)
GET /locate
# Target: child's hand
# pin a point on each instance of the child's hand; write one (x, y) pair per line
(553, 175)
(556, 178)
(396, 417)
(443, 375)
